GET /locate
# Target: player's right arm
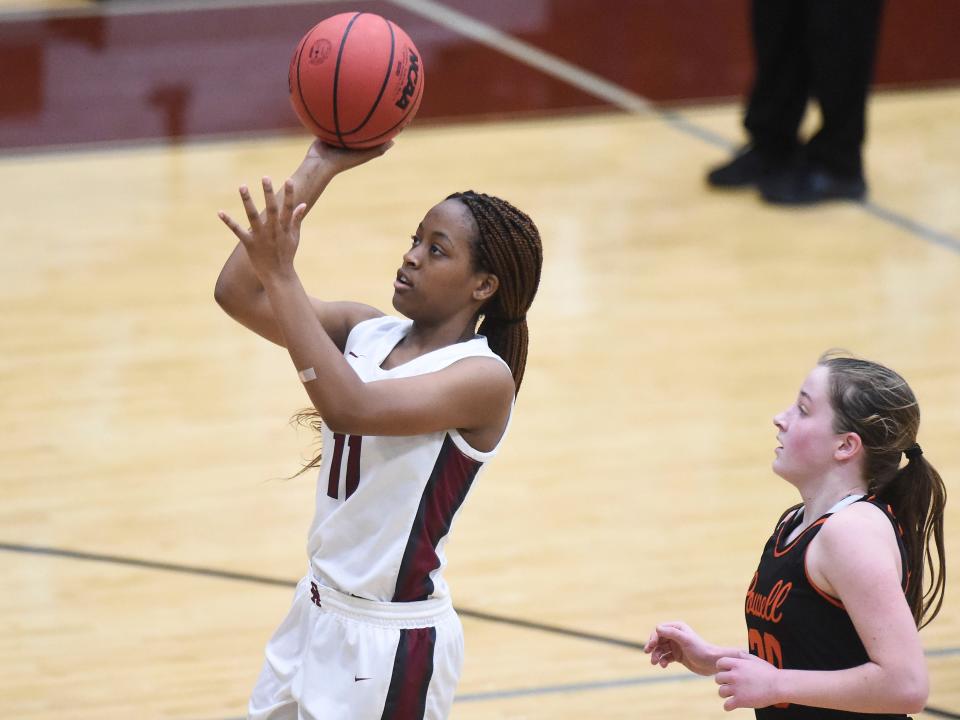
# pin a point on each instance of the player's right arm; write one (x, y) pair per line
(239, 291)
(677, 642)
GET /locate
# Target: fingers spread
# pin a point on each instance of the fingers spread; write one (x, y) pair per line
(241, 234)
(253, 215)
(298, 212)
(289, 191)
(269, 198)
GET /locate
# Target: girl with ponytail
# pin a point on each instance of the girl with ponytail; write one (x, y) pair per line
(896, 469)
(509, 247)
(849, 575)
(412, 409)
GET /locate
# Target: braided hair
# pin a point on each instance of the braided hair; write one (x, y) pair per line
(508, 246)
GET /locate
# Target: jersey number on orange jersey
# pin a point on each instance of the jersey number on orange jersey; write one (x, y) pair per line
(767, 647)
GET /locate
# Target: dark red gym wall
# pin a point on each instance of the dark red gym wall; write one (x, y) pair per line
(86, 78)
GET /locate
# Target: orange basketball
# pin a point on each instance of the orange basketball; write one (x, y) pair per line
(356, 80)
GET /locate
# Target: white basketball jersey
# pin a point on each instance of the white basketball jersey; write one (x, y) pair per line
(385, 505)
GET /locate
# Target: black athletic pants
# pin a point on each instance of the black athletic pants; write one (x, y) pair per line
(823, 49)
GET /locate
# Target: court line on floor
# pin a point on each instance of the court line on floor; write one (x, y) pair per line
(620, 97)
(938, 712)
(627, 682)
(624, 99)
(567, 688)
(574, 687)
(145, 564)
(465, 612)
(201, 571)
(280, 582)
(912, 226)
(603, 685)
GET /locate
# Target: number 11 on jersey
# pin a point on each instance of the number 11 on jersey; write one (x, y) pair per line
(353, 443)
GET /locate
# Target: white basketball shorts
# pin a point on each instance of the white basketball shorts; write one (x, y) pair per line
(337, 657)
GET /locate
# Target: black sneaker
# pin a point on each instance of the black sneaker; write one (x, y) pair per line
(747, 168)
(806, 185)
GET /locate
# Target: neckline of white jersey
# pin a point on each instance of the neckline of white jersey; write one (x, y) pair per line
(398, 333)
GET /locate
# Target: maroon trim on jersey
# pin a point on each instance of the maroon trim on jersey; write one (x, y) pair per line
(333, 484)
(412, 670)
(353, 464)
(449, 482)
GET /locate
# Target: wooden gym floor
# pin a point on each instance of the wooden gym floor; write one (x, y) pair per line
(148, 543)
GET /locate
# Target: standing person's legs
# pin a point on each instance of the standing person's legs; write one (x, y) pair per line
(843, 36)
(778, 98)
(842, 43)
(781, 89)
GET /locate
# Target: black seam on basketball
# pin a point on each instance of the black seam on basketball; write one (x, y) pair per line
(386, 79)
(336, 76)
(295, 63)
(303, 100)
(414, 104)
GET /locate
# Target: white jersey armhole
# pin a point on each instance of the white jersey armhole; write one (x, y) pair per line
(458, 439)
(382, 333)
(471, 452)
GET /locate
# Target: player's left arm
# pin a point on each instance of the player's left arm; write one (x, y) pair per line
(855, 559)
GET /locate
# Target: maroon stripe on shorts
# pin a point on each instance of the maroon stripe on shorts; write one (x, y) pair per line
(412, 670)
(447, 488)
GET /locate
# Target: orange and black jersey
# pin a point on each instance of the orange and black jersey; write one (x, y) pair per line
(791, 623)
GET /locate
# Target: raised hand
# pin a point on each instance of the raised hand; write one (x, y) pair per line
(338, 160)
(272, 239)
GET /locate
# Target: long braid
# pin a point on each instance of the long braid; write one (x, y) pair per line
(509, 247)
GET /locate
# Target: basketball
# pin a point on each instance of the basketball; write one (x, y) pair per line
(356, 80)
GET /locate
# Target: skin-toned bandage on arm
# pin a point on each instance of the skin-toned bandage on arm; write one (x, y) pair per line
(307, 375)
